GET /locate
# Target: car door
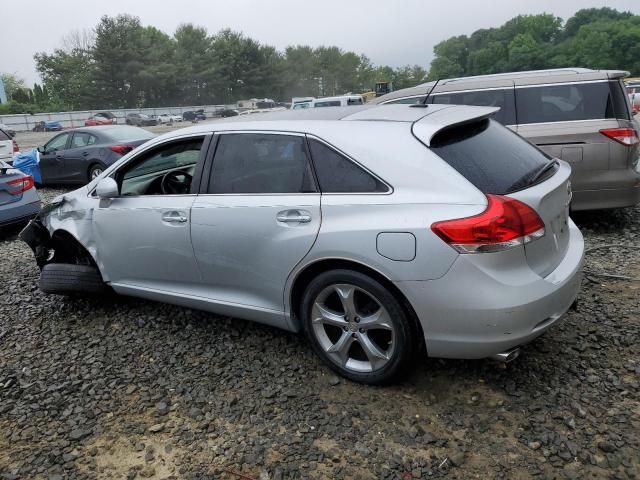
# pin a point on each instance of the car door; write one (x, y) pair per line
(78, 156)
(143, 235)
(52, 159)
(257, 216)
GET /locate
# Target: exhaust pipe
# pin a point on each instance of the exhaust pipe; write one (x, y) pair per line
(507, 356)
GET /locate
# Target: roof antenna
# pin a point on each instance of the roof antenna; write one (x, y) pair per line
(430, 91)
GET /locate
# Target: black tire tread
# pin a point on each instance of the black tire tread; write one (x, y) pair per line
(67, 278)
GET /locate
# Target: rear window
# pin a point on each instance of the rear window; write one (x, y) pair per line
(490, 156)
(571, 102)
(4, 136)
(502, 98)
(128, 134)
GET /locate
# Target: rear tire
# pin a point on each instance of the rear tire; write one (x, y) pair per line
(358, 327)
(94, 171)
(68, 278)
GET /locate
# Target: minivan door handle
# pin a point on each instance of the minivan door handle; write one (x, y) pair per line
(293, 216)
(174, 217)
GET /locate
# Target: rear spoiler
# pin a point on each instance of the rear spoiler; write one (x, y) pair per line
(430, 125)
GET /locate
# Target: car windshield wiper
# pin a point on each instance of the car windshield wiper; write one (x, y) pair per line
(544, 170)
(528, 179)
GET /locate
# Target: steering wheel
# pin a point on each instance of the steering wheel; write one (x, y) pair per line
(177, 182)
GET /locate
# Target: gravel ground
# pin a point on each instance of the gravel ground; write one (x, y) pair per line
(125, 388)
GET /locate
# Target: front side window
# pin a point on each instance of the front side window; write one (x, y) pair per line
(570, 102)
(82, 140)
(164, 170)
(337, 174)
(261, 163)
(483, 98)
(58, 143)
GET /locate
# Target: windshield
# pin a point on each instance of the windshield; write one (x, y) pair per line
(491, 157)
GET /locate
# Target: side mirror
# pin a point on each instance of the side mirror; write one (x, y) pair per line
(41, 150)
(107, 188)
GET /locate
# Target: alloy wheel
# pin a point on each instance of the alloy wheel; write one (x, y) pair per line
(353, 328)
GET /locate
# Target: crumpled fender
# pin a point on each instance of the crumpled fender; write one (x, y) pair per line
(72, 213)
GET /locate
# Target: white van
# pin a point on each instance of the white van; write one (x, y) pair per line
(340, 101)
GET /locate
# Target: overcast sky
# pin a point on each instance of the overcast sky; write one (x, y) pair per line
(391, 32)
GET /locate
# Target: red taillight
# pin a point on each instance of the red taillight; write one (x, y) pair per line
(505, 223)
(626, 136)
(121, 149)
(16, 148)
(21, 185)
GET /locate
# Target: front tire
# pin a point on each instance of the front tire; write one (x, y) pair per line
(357, 326)
(68, 278)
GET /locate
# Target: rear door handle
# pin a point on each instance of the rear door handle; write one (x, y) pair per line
(174, 217)
(294, 216)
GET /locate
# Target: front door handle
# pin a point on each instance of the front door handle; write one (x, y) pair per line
(294, 216)
(175, 217)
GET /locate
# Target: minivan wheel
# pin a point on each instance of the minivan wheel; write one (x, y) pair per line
(357, 326)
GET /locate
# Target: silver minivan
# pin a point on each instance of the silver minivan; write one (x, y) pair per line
(579, 115)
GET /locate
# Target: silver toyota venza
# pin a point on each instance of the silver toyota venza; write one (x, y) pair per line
(379, 231)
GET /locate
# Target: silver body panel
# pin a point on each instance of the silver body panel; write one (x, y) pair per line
(236, 255)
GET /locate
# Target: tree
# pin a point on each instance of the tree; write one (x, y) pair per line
(12, 84)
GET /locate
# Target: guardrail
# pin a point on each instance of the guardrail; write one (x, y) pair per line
(25, 122)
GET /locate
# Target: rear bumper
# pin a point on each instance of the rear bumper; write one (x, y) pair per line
(613, 189)
(610, 198)
(479, 309)
(19, 213)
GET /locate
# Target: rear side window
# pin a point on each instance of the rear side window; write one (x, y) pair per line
(490, 156)
(354, 101)
(483, 98)
(337, 174)
(261, 163)
(571, 102)
(4, 136)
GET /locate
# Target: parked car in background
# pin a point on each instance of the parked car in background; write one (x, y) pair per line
(47, 126)
(97, 120)
(191, 115)
(7, 130)
(377, 230)
(633, 90)
(580, 115)
(140, 120)
(168, 118)
(8, 146)
(82, 154)
(339, 101)
(19, 200)
(229, 112)
(300, 103)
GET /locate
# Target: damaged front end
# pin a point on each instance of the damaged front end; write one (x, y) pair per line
(37, 236)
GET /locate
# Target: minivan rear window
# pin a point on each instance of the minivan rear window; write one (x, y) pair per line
(571, 102)
(490, 156)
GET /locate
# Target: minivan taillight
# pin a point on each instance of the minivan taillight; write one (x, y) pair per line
(16, 148)
(505, 223)
(626, 136)
(21, 185)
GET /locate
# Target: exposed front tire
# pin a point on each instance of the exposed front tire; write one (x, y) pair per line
(357, 327)
(68, 278)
